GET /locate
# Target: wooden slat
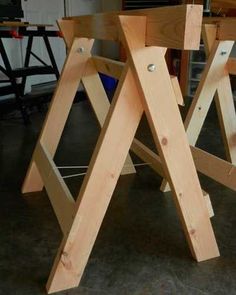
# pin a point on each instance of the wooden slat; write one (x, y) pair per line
(224, 100)
(148, 156)
(215, 168)
(177, 90)
(231, 66)
(208, 203)
(169, 135)
(208, 164)
(173, 27)
(227, 117)
(209, 36)
(59, 108)
(67, 29)
(108, 67)
(154, 161)
(61, 199)
(114, 69)
(100, 104)
(203, 98)
(99, 183)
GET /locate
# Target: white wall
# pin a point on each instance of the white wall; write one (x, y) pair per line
(13, 48)
(48, 11)
(82, 7)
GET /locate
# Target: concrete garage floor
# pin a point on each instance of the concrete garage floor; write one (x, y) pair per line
(140, 249)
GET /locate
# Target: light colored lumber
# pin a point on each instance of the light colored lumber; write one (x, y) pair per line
(177, 90)
(213, 73)
(224, 101)
(99, 183)
(67, 29)
(209, 36)
(61, 199)
(171, 141)
(173, 27)
(231, 66)
(108, 67)
(148, 156)
(59, 108)
(227, 117)
(209, 204)
(215, 168)
(206, 163)
(100, 104)
(114, 69)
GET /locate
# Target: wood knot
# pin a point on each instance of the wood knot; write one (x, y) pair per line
(164, 141)
(65, 260)
(192, 232)
(112, 175)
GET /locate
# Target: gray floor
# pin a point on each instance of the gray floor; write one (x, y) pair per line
(140, 248)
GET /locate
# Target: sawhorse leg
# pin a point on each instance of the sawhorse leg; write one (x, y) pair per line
(60, 107)
(215, 81)
(138, 91)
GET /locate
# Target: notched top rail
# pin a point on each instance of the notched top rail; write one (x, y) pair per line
(173, 27)
(225, 27)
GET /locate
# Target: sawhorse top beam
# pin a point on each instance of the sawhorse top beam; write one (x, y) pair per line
(173, 27)
(225, 27)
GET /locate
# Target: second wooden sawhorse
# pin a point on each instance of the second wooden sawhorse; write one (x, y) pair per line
(144, 86)
(219, 36)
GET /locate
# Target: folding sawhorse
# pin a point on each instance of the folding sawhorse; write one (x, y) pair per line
(145, 86)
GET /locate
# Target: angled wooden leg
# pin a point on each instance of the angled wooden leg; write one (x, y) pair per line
(60, 107)
(227, 117)
(224, 100)
(170, 138)
(213, 73)
(115, 139)
(100, 104)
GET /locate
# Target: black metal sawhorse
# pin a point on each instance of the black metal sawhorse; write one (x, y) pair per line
(18, 89)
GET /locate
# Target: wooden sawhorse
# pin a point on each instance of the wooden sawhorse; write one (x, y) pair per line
(145, 86)
(219, 36)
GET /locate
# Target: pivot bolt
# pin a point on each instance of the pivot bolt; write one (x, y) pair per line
(81, 50)
(151, 68)
(223, 52)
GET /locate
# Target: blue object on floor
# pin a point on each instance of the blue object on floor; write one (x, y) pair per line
(109, 83)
